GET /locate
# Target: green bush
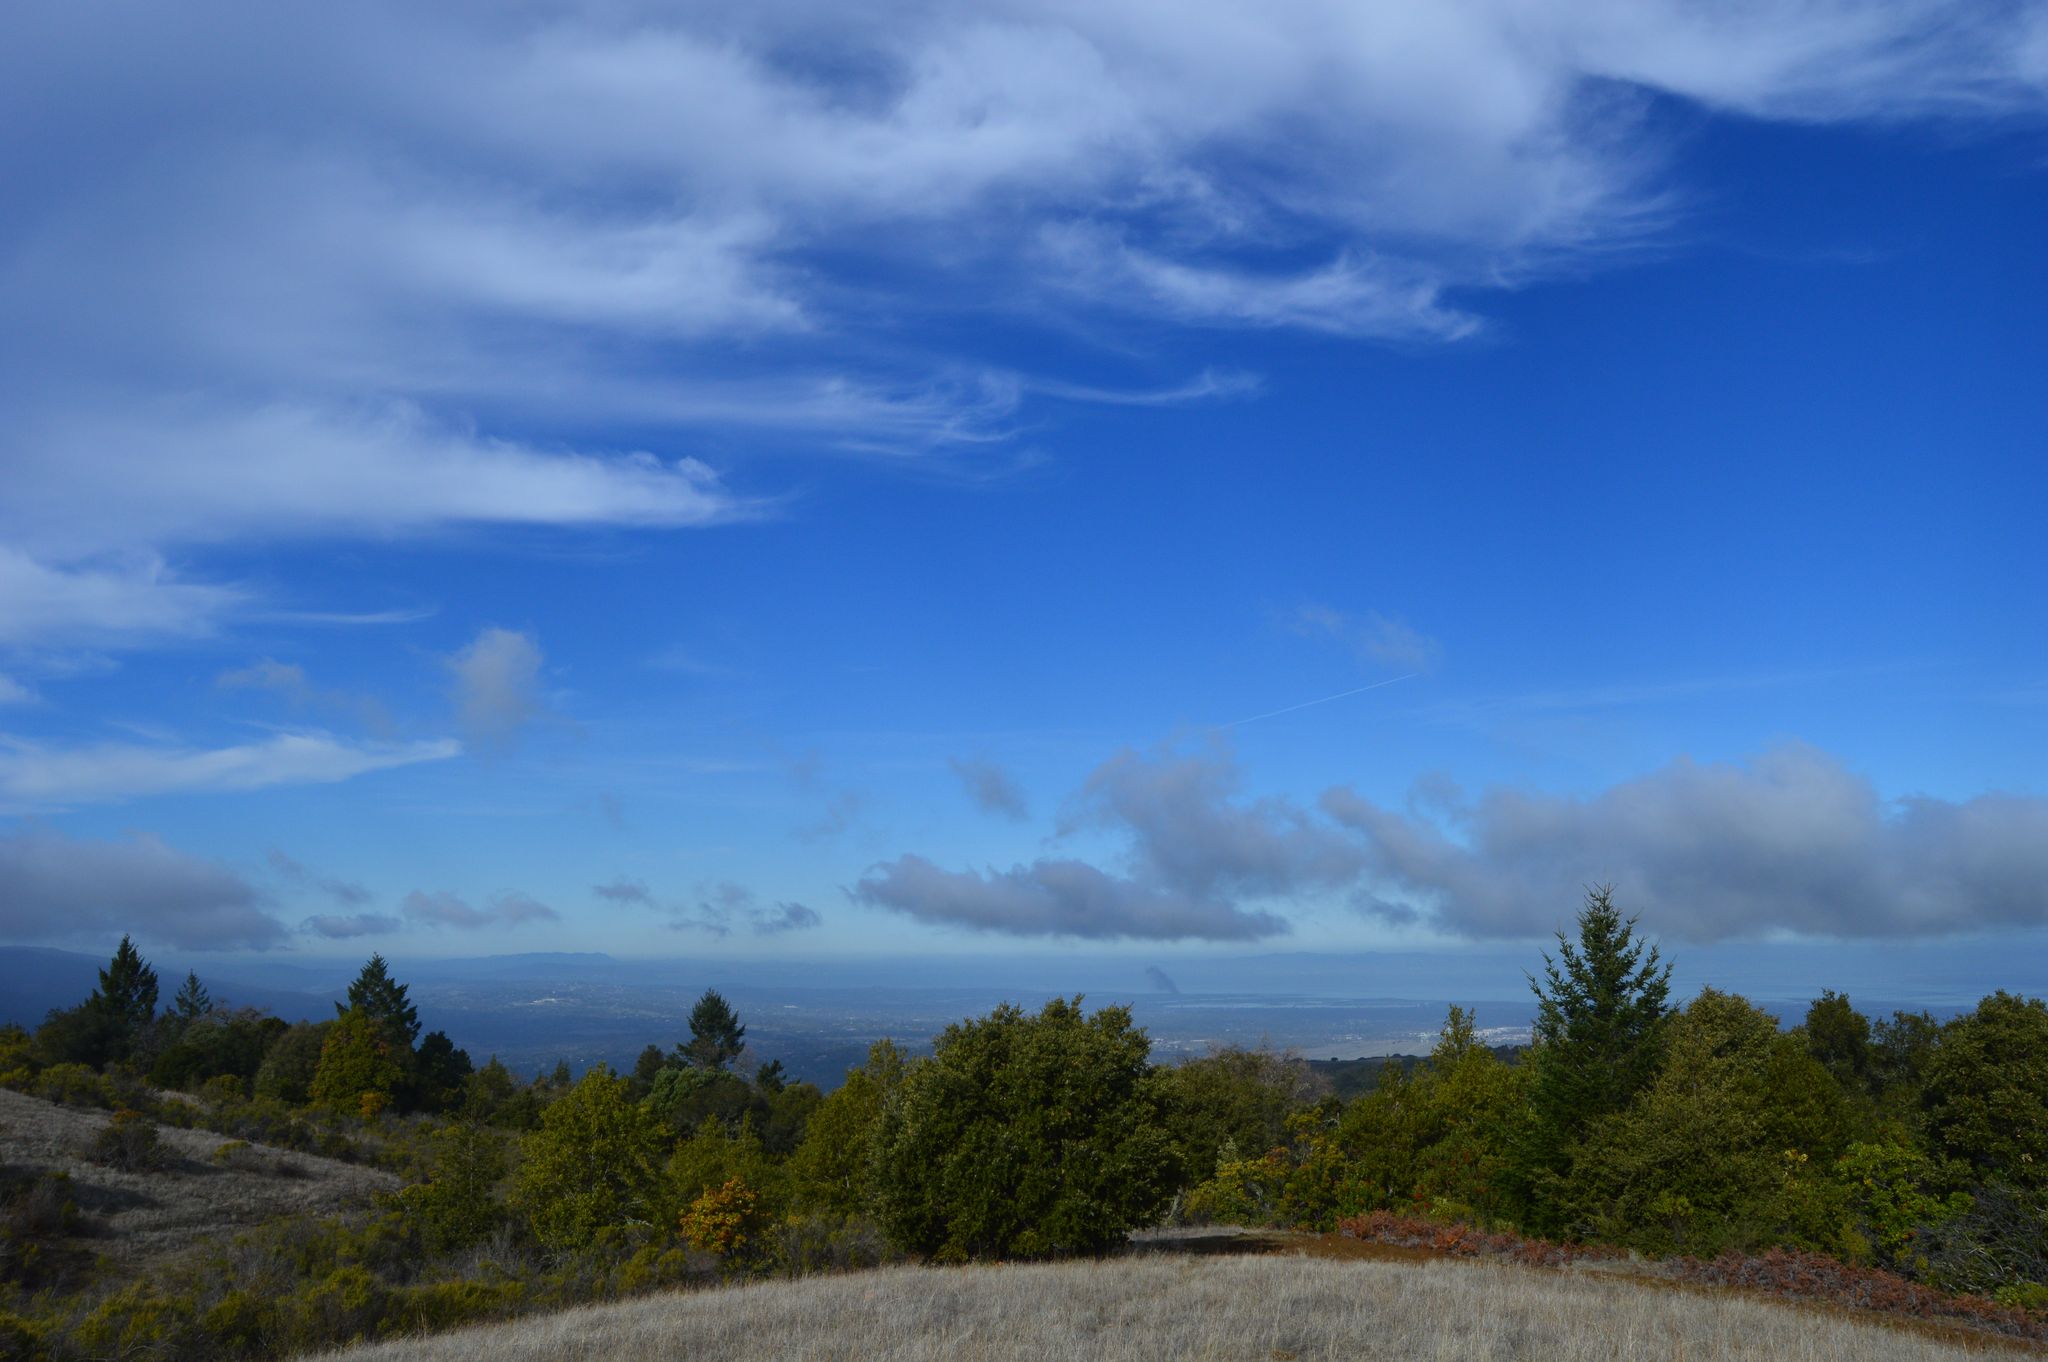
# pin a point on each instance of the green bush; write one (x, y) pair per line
(38, 1211)
(140, 1321)
(1027, 1137)
(129, 1143)
(593, 1164)
(74, 1085)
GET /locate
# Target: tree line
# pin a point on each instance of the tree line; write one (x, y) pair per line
(1902, 1143)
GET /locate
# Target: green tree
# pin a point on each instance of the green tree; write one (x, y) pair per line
(1986, 1094)
(833, 1168)
(438, 1069)
(193, 1001)
(1025, 1137)
(594, 1164)
(361, 1066)
(217, 1043)
(651, 1062)
(1900, 1049)
(1729, 1146)
(1598, 1033)
(459, 1206)
(106, 1027)
(1838, 1036)
(1236, 1097)
(286, 1073)
(716, 1036)
(127, 992)
(377, 995)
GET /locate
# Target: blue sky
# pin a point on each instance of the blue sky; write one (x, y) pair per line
(911, 481)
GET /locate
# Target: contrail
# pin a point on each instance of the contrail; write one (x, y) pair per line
(1306, 704)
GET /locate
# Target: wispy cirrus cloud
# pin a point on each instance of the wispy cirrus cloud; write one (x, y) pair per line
(1381, 641)
(340, 319)
(36, 776)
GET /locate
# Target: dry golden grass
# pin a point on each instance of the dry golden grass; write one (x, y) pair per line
(1156, 1307)
(138, 1218)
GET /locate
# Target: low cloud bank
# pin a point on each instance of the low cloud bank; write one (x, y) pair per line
(1791, 840)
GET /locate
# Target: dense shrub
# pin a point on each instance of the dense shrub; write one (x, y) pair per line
(130, 1143)
(38, 1211)
(593, 1164)
(1025, 1137)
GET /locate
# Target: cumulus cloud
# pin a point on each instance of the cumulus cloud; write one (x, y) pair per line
(444, 909)
(55, 887)
(1791, 841)
(345, 892)
(1381, 641)
(1195, 854)
(345, 927)
(34, 776)
(497, 685)
(991, 788)
(1189, 831)
(623, 890)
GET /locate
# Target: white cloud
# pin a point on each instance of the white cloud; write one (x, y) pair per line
(93, 602)
(561, 206)
(1790, 841)
(139, 472)
(54, 888)
(12, 692)
(497, 685)
(39, 777)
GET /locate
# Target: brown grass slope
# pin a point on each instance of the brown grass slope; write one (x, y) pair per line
(135, 1219)
(1159, 1307)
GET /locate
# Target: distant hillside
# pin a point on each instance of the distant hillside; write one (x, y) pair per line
(1160, 1307)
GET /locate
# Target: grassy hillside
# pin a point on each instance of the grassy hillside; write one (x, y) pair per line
(1136, 1309)
(135, 1219)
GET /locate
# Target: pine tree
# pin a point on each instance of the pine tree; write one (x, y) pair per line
(716, 1036)
(377, 995)
(1600, 1011)
(193, 1001)
(124, 1003)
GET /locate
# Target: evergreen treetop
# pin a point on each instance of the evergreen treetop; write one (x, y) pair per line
(1599, 1013)
(376, 994)
(716, 1036)
(193, 1001)
(126, 997)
